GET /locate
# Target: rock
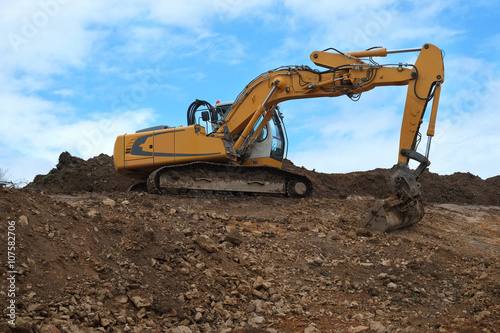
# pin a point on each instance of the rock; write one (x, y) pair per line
(198, 316)
(92, 213)
(233, 238)
(363, 233)
(170, 313)
(188, 232)
(260, 294)
(184, 270)
(105, 321)
(49, 329)
(23, 220)
(258, 283)
(122, 299)
(140, 298)
(4, 327)
(141, 313)
(318, 261)
(311, 329)
(180, 329)
(257, 306)
(255, 321)
(481, 315)
(108, 202)
(23, 325)
(230, 301)
(358, 329)
(35, 307)
(275, 298)
(244, 288)
(358, 317)
(205, 243)
(386, 263)
(377, 326)
(392, 285)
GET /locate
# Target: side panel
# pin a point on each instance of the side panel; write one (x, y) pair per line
(192, 145)
(139, 150)
(118, 154)
(139, 154)
(164, 145)
(127, 163)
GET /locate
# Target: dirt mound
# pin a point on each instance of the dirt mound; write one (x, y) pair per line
(146, 263)
(458, 188)
(91, 257)
(461, 188)
(75, 175)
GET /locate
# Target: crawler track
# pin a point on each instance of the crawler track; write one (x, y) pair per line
(214, 177)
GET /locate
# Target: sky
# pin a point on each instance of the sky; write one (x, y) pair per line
(76, 74)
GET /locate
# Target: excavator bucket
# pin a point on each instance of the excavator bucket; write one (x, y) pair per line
(394, 213)
(404, 207)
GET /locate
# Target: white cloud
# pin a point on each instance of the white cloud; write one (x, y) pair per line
(353, 26)
(22, 169)
(201, 15)
(88, 138)
(39, 130)
(64, 92)
(338, 135)
(72, 59)
(467, 137)
(490, 45)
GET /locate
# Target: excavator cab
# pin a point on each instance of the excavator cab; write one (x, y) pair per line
(269, 146)
(278, 149)
(270, 143)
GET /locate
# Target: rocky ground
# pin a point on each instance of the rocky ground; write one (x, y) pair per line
(91, 257)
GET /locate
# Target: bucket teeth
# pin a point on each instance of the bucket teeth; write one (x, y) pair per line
(393, 213)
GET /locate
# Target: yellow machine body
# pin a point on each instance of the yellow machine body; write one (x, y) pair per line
(137, 155)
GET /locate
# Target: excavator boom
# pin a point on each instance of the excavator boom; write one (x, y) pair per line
(345, 75)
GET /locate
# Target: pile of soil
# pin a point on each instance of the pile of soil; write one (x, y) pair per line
(91, 257)
(458, 188)
(74, 175)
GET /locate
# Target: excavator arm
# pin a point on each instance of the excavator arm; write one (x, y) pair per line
(349, 74)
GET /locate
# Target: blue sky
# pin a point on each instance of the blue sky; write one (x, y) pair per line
(75, 74)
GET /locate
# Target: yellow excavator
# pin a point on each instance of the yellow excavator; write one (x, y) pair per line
(240, 146)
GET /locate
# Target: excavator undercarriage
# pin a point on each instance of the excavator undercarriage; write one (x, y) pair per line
(216, 178)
